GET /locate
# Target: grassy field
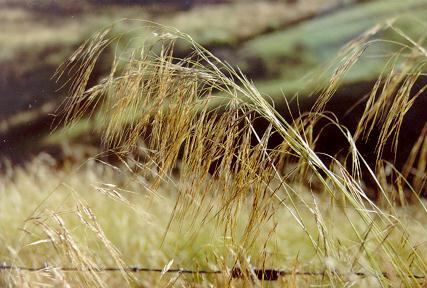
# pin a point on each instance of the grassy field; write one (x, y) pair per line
(45, 220)
(186, 178)
(194, 185)
(41, 34)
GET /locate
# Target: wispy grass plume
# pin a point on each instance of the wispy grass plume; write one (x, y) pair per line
(195, 115)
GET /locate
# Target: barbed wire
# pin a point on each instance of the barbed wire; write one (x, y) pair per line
(261, 274)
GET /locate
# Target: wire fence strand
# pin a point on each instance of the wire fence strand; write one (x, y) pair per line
(261, 274)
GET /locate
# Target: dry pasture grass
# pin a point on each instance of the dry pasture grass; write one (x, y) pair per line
(197, 158)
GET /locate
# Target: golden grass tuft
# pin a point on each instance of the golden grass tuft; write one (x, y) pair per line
(201, 155)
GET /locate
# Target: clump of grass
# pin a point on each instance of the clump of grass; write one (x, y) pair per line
(224, 176)
(57, 232)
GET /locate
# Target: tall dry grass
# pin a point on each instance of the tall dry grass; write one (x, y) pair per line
(188, 123)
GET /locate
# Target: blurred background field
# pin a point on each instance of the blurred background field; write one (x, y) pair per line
(65, 200)
(278, 44)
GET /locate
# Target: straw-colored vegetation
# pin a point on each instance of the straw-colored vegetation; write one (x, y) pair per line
(195, 185)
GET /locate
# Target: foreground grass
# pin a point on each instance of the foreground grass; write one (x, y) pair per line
(134, 220)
